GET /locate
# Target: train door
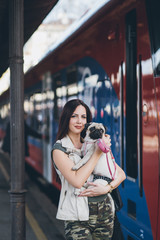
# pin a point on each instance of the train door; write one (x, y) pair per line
(154, 33)
(47, 126)
(136, 214)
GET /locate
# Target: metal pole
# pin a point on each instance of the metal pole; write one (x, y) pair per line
(17, 192)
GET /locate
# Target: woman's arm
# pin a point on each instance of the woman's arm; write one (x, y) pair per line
(121, 176)
(99, 189)
(79, 177)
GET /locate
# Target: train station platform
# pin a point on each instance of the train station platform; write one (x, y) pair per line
(41, 223)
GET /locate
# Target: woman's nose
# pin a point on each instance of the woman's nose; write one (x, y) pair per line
(79, 120)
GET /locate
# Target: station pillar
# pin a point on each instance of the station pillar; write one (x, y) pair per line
(17, 191)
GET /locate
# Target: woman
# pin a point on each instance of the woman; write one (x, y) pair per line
(97, 220)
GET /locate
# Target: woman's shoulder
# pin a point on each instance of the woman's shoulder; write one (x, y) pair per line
(58, 146)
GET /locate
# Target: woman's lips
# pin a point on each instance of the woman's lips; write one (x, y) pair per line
(78, 127)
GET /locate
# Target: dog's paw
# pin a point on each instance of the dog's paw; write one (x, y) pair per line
(74, 168)
(77, 191)
(77, 166)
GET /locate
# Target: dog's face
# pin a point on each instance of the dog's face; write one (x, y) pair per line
(93, 131)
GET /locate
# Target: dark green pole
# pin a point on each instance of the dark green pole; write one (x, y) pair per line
(17, 192)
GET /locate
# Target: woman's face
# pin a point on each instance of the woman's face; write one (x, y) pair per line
(78, 120)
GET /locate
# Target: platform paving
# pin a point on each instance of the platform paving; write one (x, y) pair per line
(41, 223)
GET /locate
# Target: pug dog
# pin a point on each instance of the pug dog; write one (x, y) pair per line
(91, 135)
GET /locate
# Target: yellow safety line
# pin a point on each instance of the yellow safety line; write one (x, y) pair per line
(32, 221)
(35, 226)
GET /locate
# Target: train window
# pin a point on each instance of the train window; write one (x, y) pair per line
(34, 104)
(5, 111)
(71, 75)
(154, 22)
(57, 82)
(59, 90)
(72, 87)
(131, 209)
(131, 96)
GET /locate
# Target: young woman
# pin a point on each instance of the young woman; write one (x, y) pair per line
(95, 221)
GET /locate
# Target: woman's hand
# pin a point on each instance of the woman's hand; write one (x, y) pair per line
(107, 140)
(95, 189)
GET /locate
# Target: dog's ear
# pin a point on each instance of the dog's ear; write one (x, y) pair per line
(83, 133)
(105, 128)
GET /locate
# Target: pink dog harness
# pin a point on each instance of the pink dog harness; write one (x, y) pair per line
(102, 145)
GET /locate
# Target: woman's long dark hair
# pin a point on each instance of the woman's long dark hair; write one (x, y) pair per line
(66, 114)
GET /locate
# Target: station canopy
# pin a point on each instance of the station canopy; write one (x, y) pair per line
(34, 13)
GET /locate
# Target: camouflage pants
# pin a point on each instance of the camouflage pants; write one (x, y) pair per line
(98, 227)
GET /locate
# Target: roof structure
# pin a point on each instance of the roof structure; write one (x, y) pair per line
(34, 13)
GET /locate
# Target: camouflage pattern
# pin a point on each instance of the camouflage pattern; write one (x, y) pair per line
(98, 227)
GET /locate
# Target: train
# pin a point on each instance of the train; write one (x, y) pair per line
(110, 59)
